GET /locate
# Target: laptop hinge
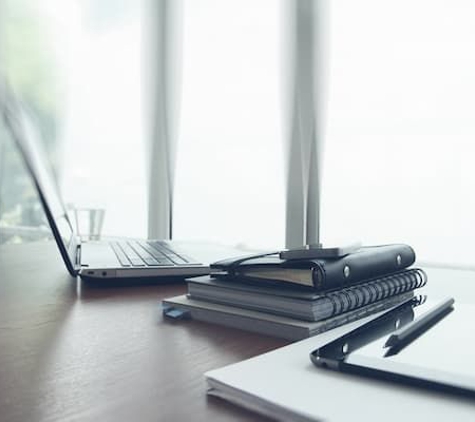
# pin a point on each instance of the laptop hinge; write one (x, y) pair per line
(77, 264)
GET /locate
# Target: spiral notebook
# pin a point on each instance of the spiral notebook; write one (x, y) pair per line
(301, 303)
(182, 307)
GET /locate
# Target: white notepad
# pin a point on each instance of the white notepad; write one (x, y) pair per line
(286, 386)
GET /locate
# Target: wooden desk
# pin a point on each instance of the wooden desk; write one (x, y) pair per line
(69, 351)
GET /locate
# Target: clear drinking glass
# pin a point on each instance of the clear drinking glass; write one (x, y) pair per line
(89, 222)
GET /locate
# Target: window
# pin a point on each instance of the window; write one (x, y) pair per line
(103, 134)
(78, 67)
(230, 169)
(401, 124)
(399, 129)
(33, 46)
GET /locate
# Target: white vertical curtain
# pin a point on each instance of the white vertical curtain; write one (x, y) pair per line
(304, 119)
(163, 74)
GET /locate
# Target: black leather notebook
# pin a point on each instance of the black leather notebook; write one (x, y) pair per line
(319, 274)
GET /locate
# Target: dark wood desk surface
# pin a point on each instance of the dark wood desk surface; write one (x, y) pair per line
(69, 351)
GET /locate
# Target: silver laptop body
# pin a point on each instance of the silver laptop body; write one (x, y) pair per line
(105, 260)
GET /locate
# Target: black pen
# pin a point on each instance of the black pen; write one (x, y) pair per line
(404, 334)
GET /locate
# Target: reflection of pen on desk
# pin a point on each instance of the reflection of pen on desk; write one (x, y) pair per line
(406, 334)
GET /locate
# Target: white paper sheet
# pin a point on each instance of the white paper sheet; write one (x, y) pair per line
(285, 378)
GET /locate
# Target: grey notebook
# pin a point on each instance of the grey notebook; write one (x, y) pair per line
(303, 303)
(183, 307)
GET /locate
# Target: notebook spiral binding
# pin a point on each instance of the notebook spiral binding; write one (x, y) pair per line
(378, 289)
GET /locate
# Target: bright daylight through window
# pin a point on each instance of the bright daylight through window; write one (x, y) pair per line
(398, 122)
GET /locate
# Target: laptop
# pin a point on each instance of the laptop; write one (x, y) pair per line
(103, 260)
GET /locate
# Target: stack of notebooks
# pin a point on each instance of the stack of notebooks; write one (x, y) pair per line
(295, 299)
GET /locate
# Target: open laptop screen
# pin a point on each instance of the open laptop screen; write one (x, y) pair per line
(22, 130)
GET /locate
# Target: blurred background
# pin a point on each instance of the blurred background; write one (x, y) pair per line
(398, 119)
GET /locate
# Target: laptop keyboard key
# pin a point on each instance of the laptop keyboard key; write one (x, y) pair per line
(150, 256)
(153, 254)
(119, 253)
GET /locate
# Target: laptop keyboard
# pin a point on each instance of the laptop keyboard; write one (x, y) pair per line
(156, 253)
